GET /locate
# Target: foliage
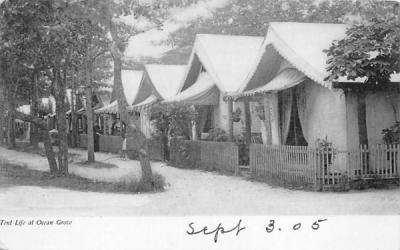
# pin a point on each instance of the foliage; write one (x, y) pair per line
(260, 110)
(253, 16)
(130, 183)
(173, 120)
(184, 153)
(391, 135)
(48, 46)
(236, 115)
(323, 143)
(326, 147)
(370, 51)
(217, 134)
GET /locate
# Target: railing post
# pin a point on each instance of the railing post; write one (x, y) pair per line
(398, 161)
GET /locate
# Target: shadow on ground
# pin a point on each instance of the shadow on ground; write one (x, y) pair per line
(15, 175)
(96, 164)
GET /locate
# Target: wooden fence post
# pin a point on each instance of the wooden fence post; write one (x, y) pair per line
(398, 161)
(230, 119)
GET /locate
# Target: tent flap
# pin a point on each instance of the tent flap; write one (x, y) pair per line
(146, 103)
(202, 92)
(111, 108)
(287, 78)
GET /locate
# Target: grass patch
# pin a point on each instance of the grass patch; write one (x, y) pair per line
(96, 164)
(28, 148)
(16, 175)
(131, 183)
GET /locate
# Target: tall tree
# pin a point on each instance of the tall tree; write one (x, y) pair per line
(109, 13)
(369, 53)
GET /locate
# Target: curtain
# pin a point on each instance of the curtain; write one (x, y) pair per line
(394, 99)
(286, 101)
(265, 124)
(303, 110)
(203, 110)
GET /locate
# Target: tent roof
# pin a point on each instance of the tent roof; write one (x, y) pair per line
(147, 102)
(111, 108)
(162, 81)
(302, 45)
(81, 110)
(287, 78)
(131, 81)
(104, 98)
(202, 92)
(226, 58)
(165, 78)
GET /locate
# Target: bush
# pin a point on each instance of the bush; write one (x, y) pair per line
(130, 183)
(217, 134)
(391, 135)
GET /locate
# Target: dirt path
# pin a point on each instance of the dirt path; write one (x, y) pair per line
(191, 192)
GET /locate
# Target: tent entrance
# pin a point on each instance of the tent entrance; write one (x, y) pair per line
(292, 131)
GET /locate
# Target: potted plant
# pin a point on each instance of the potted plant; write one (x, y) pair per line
(391, 135)
(326, 151)
(236, 115)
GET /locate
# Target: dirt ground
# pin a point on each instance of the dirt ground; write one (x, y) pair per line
(189, 192)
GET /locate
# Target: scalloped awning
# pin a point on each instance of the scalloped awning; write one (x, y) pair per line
(287, 78)
(111, 108)
(202, 92)
(152, 99)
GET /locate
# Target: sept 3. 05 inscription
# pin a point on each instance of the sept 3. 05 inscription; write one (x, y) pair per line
(272, 226)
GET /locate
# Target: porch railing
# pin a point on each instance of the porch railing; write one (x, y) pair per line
(378, 161)
(207, 155)
(287, 165)
(323, 168)
(220, 156)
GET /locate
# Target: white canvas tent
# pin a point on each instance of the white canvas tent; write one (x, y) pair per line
(159, 82)
(130, 82)
(300, 45)
(292, 58)
(218, 64)
(227, 60)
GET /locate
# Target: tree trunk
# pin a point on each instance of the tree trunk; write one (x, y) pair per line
(60, 97)
(144, 158)
(51, 159)
(74, 118)
(34, 132)
(10, 126)
(2, 112)
(117, 55)
(47, 141)
(89, 115)
(362, 119)
(122, 102)
(247, 117)
(230, 120)
(118, 93)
